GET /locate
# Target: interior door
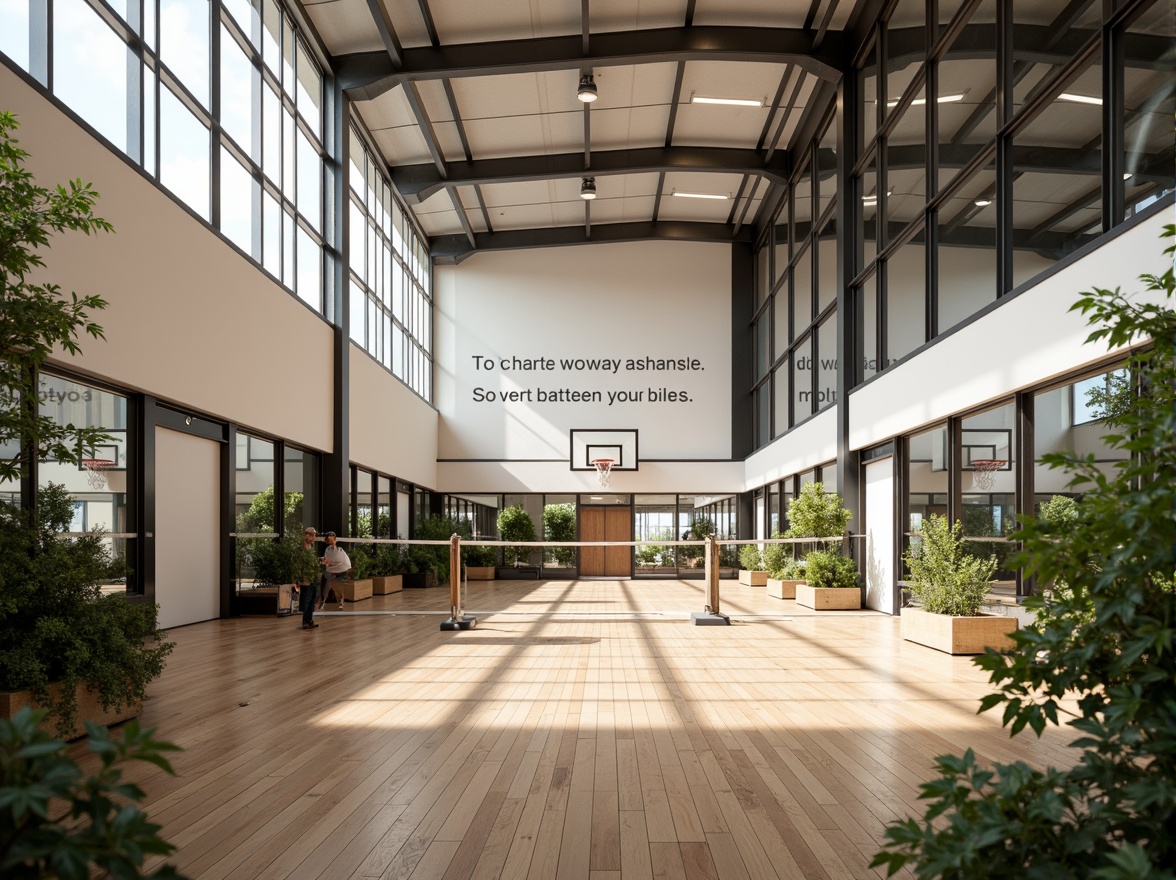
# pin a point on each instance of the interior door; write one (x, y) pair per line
(606, 524)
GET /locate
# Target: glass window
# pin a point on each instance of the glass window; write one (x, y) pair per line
(802, 291)
(653, 520)
(1149, 105)
(827, 267)
(868, 295)
(310, 270)
(90, 69)
(868, 226)
(1057, 162)
(782, 392)
(965, 107)
(906, 305)
(967, 249)
(906, 47)
(868, 89)
(14, 36)
(183, 43)
(240, 200)
(98, 485)
(1062, 26)
(826, 166)
(763, 414)
(906, 171)
(183, 153)
(802, 382)
(780, 239)
(240, 97)
(301, 479)
(988, 482)
(827, 362)
(928, 479)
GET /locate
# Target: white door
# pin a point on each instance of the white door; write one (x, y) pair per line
(187, 528)
(881, 583)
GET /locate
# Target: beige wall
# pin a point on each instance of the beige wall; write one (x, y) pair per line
(189, 319)
(392, 430)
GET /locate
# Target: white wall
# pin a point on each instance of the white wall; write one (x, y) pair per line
(392, 430)
(618, 302)
(1027, 340)
(189, 319)
(813, 443)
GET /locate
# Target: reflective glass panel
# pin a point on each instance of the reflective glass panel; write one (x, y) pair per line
(183, 153)
(965, 104)
(802, 382)
(967, 249)
(14, 36)
(183, 43)
(906, 310)
(1150, 104)
(90, 69)
(988, 483)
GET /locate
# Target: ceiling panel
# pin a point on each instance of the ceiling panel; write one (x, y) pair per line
(571, 213)
(629, 128)
(521, 217)
(389, 110)
(409, 23)
(752, 13)
(637, 209)
(493, 97)
(434, 100)
(499, 195)
(525, 135)
(465, 22)
(404, 143)
(345, 26)
(623, 15)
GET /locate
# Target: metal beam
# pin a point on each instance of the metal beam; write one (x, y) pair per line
(455, 248)
(415, 183)
(366, 75)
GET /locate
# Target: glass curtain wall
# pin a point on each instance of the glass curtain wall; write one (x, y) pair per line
(654, 520)
(97, 486)
(240, 144)
(256, 509)
(390, 275)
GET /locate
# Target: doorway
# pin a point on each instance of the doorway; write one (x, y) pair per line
(606, 524)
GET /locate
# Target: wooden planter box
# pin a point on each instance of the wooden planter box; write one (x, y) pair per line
(781, 589)
(355, 591)
(829, 598)
(382, 586)
(89, 709)
(267, 601)
(480, 572)
(753, 578)
(423, 579)
(957, 635)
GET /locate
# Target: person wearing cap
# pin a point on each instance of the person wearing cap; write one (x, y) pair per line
(336, 563)
(308, 590)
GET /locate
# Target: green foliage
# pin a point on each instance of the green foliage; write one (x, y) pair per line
(559, 524)
(420, 559)
(944, 578)
(751, 558)
(1109, 641)
(781, 562)
(815, 513)
(651, 555)
(479, 557)
(700, 527)
(387, 560)
(57, 626)
(56, 823)
(1060, 512)
(823, 568)
(259, 516)
(515, 524)
(36, 319)
(361, 561)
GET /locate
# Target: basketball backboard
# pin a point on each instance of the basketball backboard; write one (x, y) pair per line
(588, 445)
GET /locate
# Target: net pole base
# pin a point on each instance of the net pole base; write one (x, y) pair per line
(458, 623)
(705, 618)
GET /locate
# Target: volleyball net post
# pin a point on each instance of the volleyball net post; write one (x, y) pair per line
(457, 620)
(711, 615)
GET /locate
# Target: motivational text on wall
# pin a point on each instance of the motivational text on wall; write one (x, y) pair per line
(613, 381)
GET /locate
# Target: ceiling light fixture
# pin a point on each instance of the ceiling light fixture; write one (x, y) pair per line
(733, 102)
(1080, 99)
(587, 89)
(918, 102)
(686, 195)
(982, 203)
(588, 189)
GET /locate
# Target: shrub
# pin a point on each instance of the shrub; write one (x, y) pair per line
(1107, 642)
(479, 557)
(751, 558)
(55, 823)
(57, 626)
(824, 568)
(781, 562)
(559, 524)
(421, 558)
(815, 513)
(515, 524)
(944, 577)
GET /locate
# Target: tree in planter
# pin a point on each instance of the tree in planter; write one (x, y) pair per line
(36, 318)
(559, 524)
(815, 513)
(751, 558)
(435, 557)
(55, 823)
(781, 561)
(945, 578)
(515, 524)
(1108, 640)
(56, 627)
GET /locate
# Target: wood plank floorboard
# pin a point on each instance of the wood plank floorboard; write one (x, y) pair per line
(584, 729)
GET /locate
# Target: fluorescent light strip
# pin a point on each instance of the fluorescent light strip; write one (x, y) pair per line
(1080, 99)
(733, 102)
(942, 99)
(685, 195)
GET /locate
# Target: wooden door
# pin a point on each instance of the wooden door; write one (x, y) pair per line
(606, 524)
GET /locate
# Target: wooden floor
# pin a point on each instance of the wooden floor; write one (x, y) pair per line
(583, 729)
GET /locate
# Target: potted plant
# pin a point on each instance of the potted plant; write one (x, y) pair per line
(950, 585)
(516, 525)
(785, 571)
(387, 564)
(831, 583)
(64, 646)
(559, 524)
(279, 566)
(479, 563)
(357, 586)
(428, 564)
(754, 572)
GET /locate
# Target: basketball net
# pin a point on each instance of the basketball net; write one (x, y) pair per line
(603, 471)
(95, 471)
(984, 473)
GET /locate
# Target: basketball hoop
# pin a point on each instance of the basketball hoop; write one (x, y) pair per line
(603, 470)
(984, 472)
(96, 471)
